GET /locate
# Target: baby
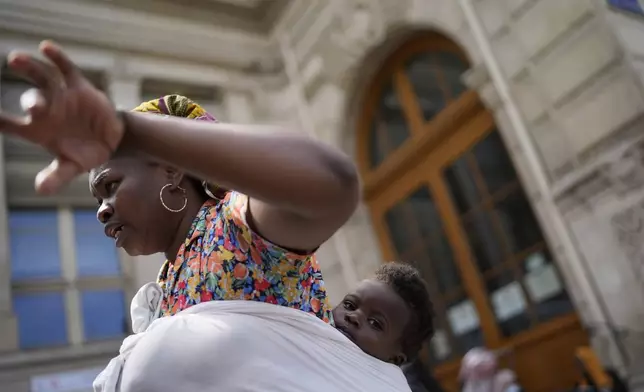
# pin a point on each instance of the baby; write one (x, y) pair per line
(389, 316)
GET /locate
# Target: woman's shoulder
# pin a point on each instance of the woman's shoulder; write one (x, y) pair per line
(232, 212)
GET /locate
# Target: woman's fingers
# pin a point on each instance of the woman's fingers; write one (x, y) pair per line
(59, 173)
(11, 124)
(43, 75)
(67, 68)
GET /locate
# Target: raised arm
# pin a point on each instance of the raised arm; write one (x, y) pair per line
(300, 190)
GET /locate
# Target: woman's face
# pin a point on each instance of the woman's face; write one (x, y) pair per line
(127, 191)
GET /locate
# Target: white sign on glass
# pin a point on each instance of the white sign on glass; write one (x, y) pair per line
(463, 318)
(543, 283)
(440, 345)
(535, 261)
(508, 301)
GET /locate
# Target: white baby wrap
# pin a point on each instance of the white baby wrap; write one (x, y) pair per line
(144, 309)
(243, 346)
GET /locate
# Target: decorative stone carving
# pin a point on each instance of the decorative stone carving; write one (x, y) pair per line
(626, 173)
(619, 171)
(359, 26)
(629, 228)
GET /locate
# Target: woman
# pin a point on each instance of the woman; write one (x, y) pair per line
(290, 193)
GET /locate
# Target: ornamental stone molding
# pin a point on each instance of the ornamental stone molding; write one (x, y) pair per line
(629, 230)
(618, 172)
(102, 25)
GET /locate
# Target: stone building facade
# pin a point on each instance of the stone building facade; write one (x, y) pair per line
(561, 82)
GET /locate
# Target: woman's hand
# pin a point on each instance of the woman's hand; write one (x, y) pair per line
(66, 115)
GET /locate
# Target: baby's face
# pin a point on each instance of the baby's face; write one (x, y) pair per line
(374, 317)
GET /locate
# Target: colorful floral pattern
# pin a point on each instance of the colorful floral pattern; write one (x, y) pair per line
(222, 259)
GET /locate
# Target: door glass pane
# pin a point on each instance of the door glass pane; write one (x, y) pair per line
(413, 220)
(422, 71)
(462, 186)
(508, 303)
(483, 241)
(399, 225)
(389, 128)
(465, 324)
(442, 259)
(435, 261)
(440, 349)
(519, 223)
(545, 286)
(494, 163)
(436, 78)
(452, 67)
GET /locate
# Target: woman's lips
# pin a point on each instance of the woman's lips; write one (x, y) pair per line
(119, 237)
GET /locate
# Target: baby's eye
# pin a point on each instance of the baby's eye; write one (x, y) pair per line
(348, 305)
(375, 324)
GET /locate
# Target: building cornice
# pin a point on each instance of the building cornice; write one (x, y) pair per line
(98, 25)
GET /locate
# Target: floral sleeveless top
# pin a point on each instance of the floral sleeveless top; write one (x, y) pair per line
(223, 259)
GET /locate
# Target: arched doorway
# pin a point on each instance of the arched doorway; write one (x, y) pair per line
(443, 194)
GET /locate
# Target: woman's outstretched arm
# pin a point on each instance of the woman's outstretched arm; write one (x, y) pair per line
(301, 190)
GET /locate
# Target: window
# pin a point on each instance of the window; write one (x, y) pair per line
(633, 6)
(35, 252)
(444, 196)
(412, 93)
(103, 314)
(66, 277)
(96, 254)
(41, 319)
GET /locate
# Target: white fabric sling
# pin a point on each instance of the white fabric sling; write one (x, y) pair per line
(245, 346)
(144, 309)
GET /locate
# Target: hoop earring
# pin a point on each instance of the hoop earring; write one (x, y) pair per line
(185, 199)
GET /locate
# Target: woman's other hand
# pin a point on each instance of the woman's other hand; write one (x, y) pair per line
(66, 115)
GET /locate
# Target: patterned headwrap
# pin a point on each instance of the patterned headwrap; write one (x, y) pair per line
(175, 105)
(180, 106)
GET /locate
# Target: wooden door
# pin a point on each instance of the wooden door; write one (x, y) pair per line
(444, 196)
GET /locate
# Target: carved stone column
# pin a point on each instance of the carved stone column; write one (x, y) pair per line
(604, 204)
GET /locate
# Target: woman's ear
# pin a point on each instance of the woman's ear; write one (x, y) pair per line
(173, 176)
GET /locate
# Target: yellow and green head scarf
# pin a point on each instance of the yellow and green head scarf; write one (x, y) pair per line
(175, 105)
(180, 106)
